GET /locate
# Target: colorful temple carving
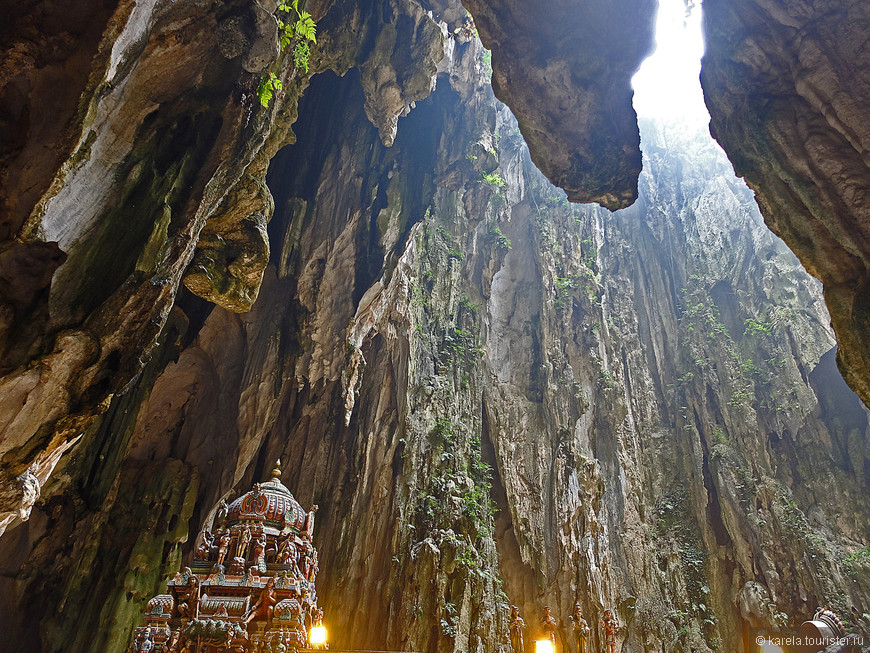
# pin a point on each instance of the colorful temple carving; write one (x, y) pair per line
(250, 587)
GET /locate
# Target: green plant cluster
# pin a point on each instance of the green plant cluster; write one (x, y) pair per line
(269, 85)
(487, 64)
(607, 379)
(500, 239)
(461, 343)
(674, 524)
(450, 620)
(565, 287)
(296, 27)
(493, 179)
(700, 316)
(855, 562)
(589, 253)
(557, 199)
(299, 29)
(757, 328)
(861, 556)
(461, 477)
(467, 306)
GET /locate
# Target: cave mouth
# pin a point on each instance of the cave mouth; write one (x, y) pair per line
(667, 86)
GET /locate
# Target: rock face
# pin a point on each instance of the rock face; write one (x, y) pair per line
(494, 396)
(105, 189)
(565, 71)
(789, 90)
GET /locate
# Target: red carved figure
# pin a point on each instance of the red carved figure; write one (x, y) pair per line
(611, 630)
(265, 605)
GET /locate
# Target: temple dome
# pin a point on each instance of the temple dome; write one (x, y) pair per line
(270, 504)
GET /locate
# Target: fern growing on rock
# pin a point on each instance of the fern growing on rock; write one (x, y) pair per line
(302, 30)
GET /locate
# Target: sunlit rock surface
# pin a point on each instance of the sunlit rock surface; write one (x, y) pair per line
(649, 399)
(788, 87)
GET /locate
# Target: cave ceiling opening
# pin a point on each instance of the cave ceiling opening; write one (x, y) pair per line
(667, 86)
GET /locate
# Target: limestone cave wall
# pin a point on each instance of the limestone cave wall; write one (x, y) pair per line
(788, 89)
(495, 396)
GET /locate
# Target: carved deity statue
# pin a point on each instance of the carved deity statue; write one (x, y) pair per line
(283, 547)
(222, 511)
(264, 608)
(611, 630)
(174, 645)
(203, 551)
(517, 626)
(223, 546)
(259, 556)
(581, 628)
(549, 626)
(244, 541)
(188, 597)
(147, 644)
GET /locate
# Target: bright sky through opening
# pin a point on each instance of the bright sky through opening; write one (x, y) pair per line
(666, 87)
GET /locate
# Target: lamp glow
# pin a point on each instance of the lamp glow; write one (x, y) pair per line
(544, 646)
(317, 636)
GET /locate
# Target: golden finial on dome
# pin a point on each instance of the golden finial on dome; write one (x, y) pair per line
(276, 473)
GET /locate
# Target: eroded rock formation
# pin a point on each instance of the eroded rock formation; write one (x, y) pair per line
(105, 189)
(565, 72)
(789, 92)
(493, 395)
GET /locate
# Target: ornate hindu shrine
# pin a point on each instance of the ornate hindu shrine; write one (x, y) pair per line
(250, 587)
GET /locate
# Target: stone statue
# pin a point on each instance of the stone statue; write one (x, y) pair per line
(222, 511)
(174, 644)
(611, 629)
(146, 645)
(315, 567)
(303, 563)
(260, 550)
(549, 626)
(223, 546)
(284, 549)
(203, 551)
(517, 625)
(188, 597)
(265, 605)
(308, 524)
(581, 628)
(244, 541)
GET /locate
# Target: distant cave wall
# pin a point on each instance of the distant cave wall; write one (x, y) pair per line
(438, 327)
(788, 89)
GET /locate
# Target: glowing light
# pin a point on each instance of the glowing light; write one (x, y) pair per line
(317, 636)
(667, 86)
(544, 646)
(766, 646)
